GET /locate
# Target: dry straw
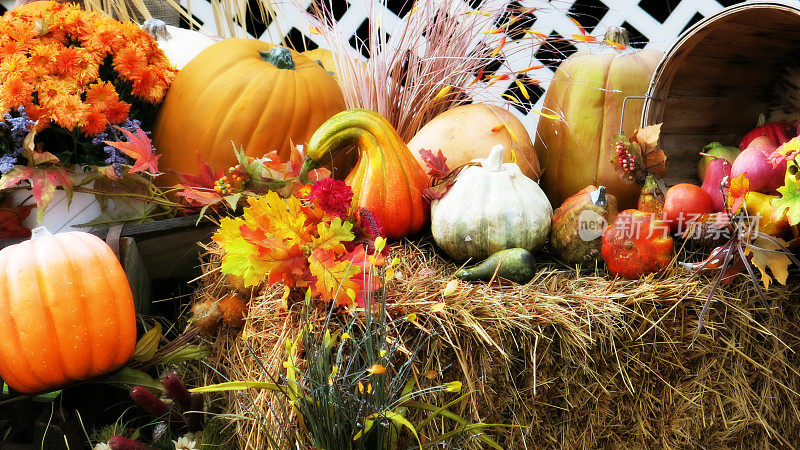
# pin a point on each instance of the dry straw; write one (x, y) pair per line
(579, 360)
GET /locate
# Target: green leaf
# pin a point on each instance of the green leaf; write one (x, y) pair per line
(238, 386)
(127, 378)
(239, 261)
(398, 420)
(233, 200)
(789, 202)
(465, 425)
(186, 353)
(148, 344)
(367, 426)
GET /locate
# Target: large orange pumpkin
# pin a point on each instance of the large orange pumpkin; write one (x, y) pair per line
(242, 92)
(587, 92)
(66, 311)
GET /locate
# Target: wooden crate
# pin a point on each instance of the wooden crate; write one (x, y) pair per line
(718, 77)
(156, 251)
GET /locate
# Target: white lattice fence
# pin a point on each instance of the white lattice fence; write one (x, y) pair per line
(653, 24)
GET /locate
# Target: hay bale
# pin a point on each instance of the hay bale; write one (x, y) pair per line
(581, 361)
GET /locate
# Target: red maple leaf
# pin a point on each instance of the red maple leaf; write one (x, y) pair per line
(206, 177)
(44, 182)
(198, 197)
(138, 147)
(198, 190)
(11, 219)
(437, 164)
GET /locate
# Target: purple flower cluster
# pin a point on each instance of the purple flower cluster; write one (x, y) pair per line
(15, 128)
(111, 134)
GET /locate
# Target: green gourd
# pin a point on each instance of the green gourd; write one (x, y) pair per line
(516, 264)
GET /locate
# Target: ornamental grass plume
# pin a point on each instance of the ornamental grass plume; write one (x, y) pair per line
(406, 80)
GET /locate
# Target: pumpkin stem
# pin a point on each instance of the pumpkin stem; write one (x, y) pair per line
(494, 162)
(598, 197)
(157, 29)
(280, 57)
(40, 232)
(618, 35)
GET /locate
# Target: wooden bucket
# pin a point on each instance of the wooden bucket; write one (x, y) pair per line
(718, 77)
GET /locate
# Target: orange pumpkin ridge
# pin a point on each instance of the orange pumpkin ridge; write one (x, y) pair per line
(230, 93)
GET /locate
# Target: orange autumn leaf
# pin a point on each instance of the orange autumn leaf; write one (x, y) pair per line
(288, 240)
(739, 188)
(140, 149)
(334, 276)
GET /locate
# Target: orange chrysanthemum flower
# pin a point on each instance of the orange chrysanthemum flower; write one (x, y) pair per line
(50, 88)
(147, 85)
(51, 58)
(69, 61)
(95, 121)
(129, 62)
(102, 95)
(10, 48)
(16, 91)
(117, 113)
(13, 65)
(70, 112)
(43, 58)
(103, 40)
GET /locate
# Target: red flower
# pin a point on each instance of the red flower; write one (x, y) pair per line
(333, 196)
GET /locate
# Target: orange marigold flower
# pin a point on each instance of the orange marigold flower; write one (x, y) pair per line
(70, 112)
(101, 95)
(15, 91)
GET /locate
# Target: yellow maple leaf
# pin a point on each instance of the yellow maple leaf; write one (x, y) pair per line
(768, 255)
(330, 236)
(278, 218)
(333, 276)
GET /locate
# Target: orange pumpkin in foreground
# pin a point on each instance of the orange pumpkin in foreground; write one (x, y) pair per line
(241, 92)
(66, 311)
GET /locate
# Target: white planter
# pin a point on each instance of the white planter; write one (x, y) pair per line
(60, 216)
